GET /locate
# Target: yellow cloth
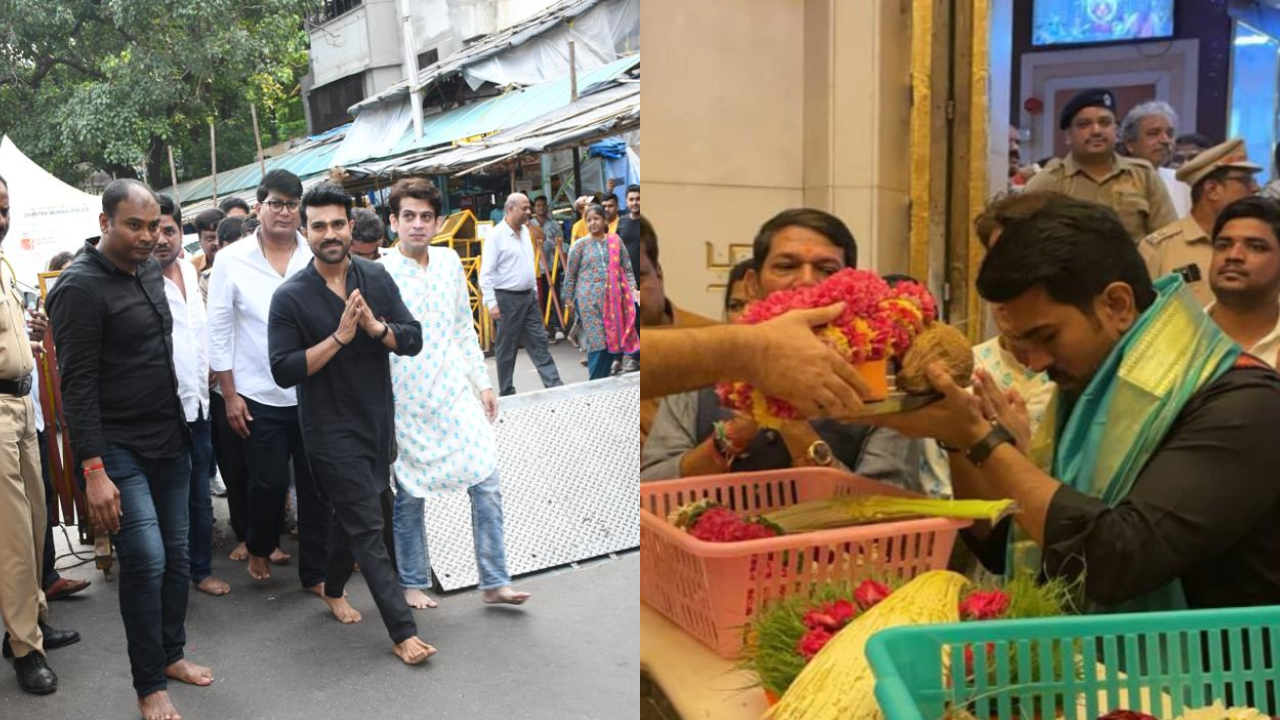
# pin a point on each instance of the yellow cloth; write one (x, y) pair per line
(579, 231)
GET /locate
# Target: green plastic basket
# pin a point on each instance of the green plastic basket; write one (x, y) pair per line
(1158, 663)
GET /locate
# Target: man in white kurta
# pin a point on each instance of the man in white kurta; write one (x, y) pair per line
(445, 404)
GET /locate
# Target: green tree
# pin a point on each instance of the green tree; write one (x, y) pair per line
(91, 85)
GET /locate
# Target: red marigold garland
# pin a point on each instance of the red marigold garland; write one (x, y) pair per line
(878, 322)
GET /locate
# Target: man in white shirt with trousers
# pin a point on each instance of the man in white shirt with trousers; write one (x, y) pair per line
(508, 285)
(259, 410)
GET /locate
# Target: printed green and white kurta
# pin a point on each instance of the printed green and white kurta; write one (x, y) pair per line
(445, 442)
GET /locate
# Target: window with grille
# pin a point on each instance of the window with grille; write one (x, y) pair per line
(329, 102)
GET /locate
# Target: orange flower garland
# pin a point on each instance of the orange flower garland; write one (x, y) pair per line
(878, 322)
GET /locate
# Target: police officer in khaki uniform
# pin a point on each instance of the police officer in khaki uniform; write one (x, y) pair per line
(1218, 177)
(22, 506)
(1095, 172)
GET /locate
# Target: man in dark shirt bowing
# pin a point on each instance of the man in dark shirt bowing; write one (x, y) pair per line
(329, 333)
(113, 331)
(1162, 489)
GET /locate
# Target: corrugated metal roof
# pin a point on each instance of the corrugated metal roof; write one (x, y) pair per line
(506, 111)
(439, 132)
(611, 112)
(304, 162)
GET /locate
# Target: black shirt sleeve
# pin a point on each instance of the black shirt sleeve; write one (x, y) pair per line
(285, 346)
(403, 324)
(75, 317)
(1211, 482)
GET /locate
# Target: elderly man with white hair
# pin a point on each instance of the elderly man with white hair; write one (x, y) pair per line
(508, 285)
(1148, 133)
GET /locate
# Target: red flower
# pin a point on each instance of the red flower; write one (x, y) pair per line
(968, 658)
(812, 642)
(843, 611)
(984, 605)
(819, 620)
(720, 524)
(870, 593)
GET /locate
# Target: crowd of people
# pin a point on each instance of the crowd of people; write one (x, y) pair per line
(302, 362)
(1123, 403)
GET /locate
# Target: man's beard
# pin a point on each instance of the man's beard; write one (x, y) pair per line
(1243, 298)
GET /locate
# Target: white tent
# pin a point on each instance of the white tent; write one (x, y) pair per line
(46, 215)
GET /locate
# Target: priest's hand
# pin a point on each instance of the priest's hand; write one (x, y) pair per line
(490, 402)
(351, 318)
(829, 387)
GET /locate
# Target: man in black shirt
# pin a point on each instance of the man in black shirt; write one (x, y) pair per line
(112, 328)
(1163, 490)
(331, 328)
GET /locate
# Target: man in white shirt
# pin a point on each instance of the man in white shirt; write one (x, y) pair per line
(1148, 133)
(1245, 276)
(509, 288)
(445, 405)
(257, 409)
(191, 365)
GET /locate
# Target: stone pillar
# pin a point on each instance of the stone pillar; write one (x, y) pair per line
(754, 106)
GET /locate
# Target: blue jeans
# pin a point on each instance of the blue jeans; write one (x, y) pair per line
(486, 527)
(600, 364)
(200, 503)
(154, 570)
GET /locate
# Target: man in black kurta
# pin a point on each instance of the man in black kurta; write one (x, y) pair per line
(330, 330)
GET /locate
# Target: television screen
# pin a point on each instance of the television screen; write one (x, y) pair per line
(1075, 22)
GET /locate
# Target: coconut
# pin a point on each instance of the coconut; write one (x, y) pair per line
(938, 342)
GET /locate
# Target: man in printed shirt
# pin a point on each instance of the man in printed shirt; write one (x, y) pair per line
(443, 429)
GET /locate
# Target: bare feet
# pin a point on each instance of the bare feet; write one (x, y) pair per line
(190, 673)
(258, 568)
(213, 586)
(280, 557)
(505, 595)
(241, 553)
(158, 706)
(342, 610)
(418, 599)
(318, 589)
(413, 651)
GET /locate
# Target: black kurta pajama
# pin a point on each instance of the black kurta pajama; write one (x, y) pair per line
(347, 413)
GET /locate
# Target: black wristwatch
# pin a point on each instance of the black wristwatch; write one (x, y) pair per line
(385, 329)
(979, 453)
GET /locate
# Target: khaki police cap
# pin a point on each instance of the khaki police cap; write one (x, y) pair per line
(1230, 154)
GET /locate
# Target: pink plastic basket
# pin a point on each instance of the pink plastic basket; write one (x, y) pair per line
(712, 590)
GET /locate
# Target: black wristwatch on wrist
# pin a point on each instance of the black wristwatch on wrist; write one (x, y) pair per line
(979, 453)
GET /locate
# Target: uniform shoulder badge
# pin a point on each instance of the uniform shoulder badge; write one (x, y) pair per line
(1163, 234)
